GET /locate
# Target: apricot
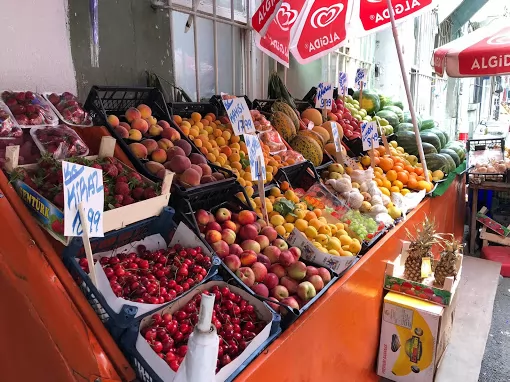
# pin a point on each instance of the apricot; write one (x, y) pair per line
(174, 151)
(139, 150)
(177, 119)
(151, 120)
(132, 114)
(197, 158)
(155, 130)
(140, 124)
(165, 144)
(122, 131)
(150, 145)
(145, 110)
(154, 167)
(159, 155)
(113, 120)
(170, 133)
(183, 145)
(125, 125)
(135, 135)
(178, 164)
(196, 116)
(218, 176)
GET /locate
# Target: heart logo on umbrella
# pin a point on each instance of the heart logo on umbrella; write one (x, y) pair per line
(503, 38)
(324, 16)
(286, 17)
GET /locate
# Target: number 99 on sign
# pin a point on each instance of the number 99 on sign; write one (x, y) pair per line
(93, 218)
(326, 103)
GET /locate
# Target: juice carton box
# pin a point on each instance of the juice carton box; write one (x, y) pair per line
(414, 335)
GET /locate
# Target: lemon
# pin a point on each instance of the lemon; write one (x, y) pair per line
(311, 232)
(333, 252)
(345, 240)
(394, 212)
(334, 243)
(355, 246)
(288, 227)
(300, 213)
(276, 220)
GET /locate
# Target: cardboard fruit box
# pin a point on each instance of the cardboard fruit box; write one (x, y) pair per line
(426, 290)
(51, 217)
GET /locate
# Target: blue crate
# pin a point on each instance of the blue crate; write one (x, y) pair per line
(146, 374)
(118, 322)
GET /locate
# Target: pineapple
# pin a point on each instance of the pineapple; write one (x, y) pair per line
(420, 247)
(447, 264)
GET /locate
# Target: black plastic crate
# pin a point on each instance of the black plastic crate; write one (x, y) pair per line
(145, 373)
(264, 105)
(301, 175)
(117, 323)
(355, 145)
(185, 109)
(485, 144)
(477, 178)
(216, 100)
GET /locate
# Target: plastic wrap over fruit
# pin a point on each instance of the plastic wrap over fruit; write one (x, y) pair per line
(60, 141)
(272, 139)
(8, 125)
(69, 109)
(291, 154)
(260, 121)
(29, 109)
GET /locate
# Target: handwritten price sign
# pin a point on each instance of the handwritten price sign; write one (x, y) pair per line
(369, 135)
(239, 115)
(336, 137)
(324, 97)
(255, 156)
(342, 83)
(361, 77)
(83, 184)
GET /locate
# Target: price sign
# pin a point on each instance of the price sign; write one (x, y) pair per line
(361, 77)
(255, 156)
(239, 115)
(324, 97)
(342, 83)
(83, 184)
(369, 135)
(336, 137)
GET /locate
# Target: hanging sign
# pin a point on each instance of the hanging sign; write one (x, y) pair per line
(369, 135)
(264, 15)
(360, 79)
(324, 97)
(256, 156)
(83, 184)
(342, 83)
(238, 114)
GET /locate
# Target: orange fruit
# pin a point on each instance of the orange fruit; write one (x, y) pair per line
(310, 215)
(317, 212)
(418, 170)
(379, 182)
(386, 163)
(177, 119)
(409, 168)
(412, 184)
(403, 177)
(391, 175)
(398, 167)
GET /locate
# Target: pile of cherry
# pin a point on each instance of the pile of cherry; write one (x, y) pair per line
(234, 317)
(154, 277)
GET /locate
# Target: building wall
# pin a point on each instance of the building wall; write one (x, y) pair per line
(36, 52)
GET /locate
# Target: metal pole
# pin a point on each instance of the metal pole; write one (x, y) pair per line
(215, 41)
(232, 28)
(408, 91)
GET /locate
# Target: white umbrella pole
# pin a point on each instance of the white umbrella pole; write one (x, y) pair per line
(408, 91)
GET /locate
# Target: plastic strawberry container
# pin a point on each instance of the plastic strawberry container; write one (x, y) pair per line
(61, 141)
(9, 128)
(29, 109)
(68, 109)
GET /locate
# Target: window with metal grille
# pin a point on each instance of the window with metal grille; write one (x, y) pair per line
(211, 57)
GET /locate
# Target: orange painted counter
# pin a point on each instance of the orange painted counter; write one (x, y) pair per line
(337, 339)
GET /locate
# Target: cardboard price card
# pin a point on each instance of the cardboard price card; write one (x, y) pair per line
(256, 156)
(361, 78)
(83, 184)
(336, 137)
(239, 115)
(342, 83)
(369, 135)
(324, 97)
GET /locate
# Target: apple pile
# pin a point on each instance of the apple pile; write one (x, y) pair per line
(29, 108)
(235, 319)
(341, 114)
(70, 109)
(263, 261)
(154, 277)
(60, 138)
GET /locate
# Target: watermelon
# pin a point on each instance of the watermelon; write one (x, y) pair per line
(408, 119)
(407, 139)
(398, 111)
(458, 148)
(442, 136)
(404, 126)
(427, 124)
(385, 101)
(453, 154)
(369, 101)
(436, 162)
(428, 148)
(390, 116)
(451, 162)
(431, 138)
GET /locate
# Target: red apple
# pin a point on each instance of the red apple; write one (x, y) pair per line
(261, 223)
(222, 215)
(270, 232)
(202, 217)
(263, 241)
(278, 270)
(261, 290)
(257, 226)
(221, 248)
(264, 260)
(246, 217)
(246, 275)
(280, 292)
(230, 225)
(248, 258)
(228, 236)
(235, 249)
(290, 302)
(213, 226)
(274, 306)
(252, 245)
(306, 291)
(260, 271)
(271, 280)
(297, 270)
(290, 284)
(311, 270)
(317, 282)
(325, 275)
(212, 236)
(286, 258)
(296, 252)
(272, 253)
(232, 262)
(280, 243)
(248, 232)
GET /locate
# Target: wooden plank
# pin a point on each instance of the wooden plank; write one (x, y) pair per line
(463, 357)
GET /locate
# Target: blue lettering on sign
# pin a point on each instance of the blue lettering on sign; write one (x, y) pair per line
(228, 103)
(82, 189)
(322, 89)
(71, 172)
(93, 218)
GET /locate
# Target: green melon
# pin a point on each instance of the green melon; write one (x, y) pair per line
(408, 119)
(451, 162)
(369, 101)
(442, 136)
(431, 138)
(398, 104)
(427, 124)
(390, 116)
(398, 111)
(404, 126)
(436, 162)
(452, 154)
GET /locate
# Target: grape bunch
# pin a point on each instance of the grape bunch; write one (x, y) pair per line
(363, 226)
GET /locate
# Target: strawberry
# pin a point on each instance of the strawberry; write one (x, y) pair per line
(149, 193)
(121, 179)
(58, 200)
(110, 170)
(134, 175)
(58, 226)
(138, 193)
(122, 189)
(127, 200)
(119, 198)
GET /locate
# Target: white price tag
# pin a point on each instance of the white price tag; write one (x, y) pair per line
(361, 77)
(256, 156)
(239, 115)
(83, 184)
(324, 97)
(336, 137)
(342, 83)
(369, 135)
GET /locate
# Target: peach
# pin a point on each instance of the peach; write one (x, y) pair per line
(252, 245)
(246, 275)
(175, 151)
(280, 292)
(122, 131)
(273, 305)
(282, 244)
(271, 280)
(155, 130)
(317, 282)
(260, 271)
(165, 144)
(113, 120)
(197, 169)
(140, 124)
(228, 224)
(306, 291)
(290, 302)
(218, 176)
(154, 167)
(150, 145)
(273, 253)
(262, 223)
(248, 258)
(183, 145)
(270, 232)
(246, 217)
(264, 260)
(235, 249)
(190, 178)
(213, 226)
(206, 170)
(228, 236)
(164, 124)
(207, 179)
(162, 173)
(325, 275)
(248, 231)
(139, 150)
(212, 236)
(232, 262)
(151, 120)
(134, 135)
(278, 270)
(197, 158)
(170, 133)
(202, 217)
(297, 270)
(145, 110)
(263, 241)
(286, 258)
(125, 125)
(311, 271)
(220, 248)
(223, 214)
(296, 252)
(132, 114)
(289, 283)
(159, 155)
(260, 289)
(179, 164)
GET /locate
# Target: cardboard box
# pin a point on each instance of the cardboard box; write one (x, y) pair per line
(414, 336)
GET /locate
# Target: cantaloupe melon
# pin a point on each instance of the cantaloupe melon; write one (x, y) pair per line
(313, 115)
(326, 137)
(327, 127)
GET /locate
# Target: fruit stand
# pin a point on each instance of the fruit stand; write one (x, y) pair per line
(299, 254)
